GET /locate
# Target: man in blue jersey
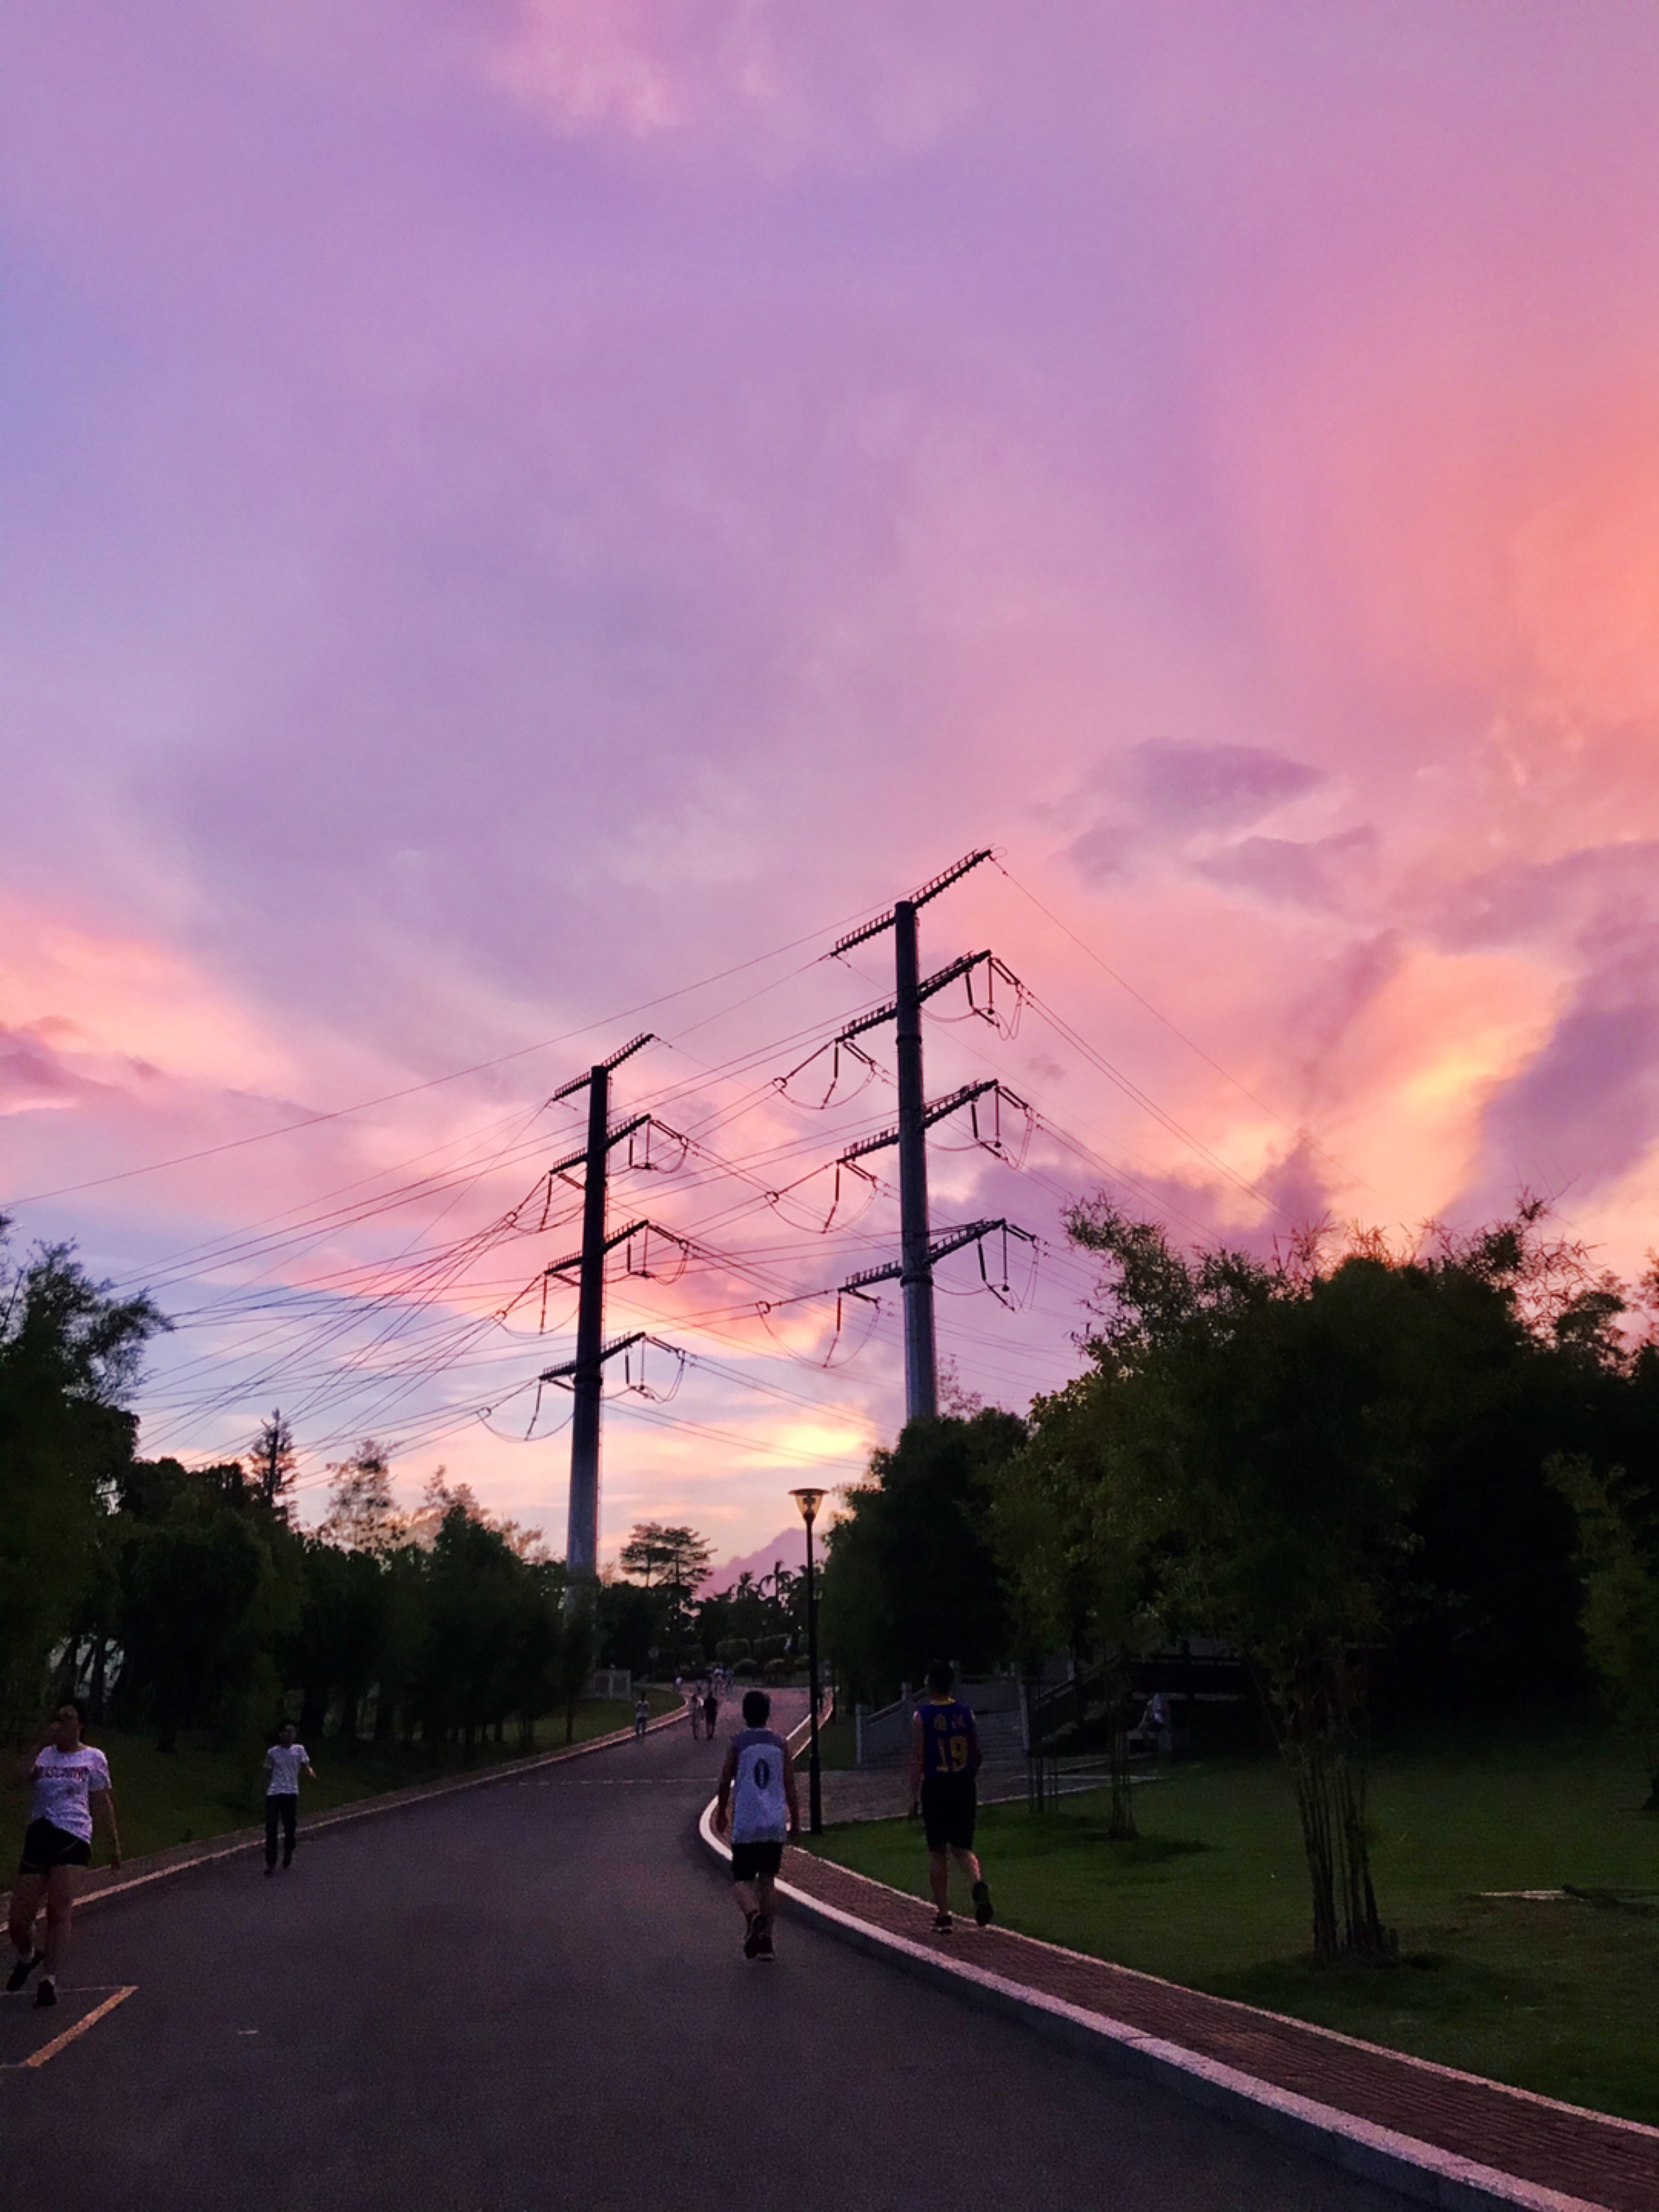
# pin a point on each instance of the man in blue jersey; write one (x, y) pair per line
(945, 1758)
(757, 1804)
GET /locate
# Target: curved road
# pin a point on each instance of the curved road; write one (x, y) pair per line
(533, 1995)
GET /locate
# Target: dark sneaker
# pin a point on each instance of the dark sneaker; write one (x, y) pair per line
(941, 1924)
(983, 1911)
(46, 1994)
(763, 1944)
(20, 1973)
(751, 1941)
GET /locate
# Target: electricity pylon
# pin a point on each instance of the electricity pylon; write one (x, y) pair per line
(587, 1370)
(914, 1271)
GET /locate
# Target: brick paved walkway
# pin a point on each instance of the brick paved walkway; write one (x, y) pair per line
(1608, 2162)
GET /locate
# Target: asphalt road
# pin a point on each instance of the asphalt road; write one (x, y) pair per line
(533, 1994)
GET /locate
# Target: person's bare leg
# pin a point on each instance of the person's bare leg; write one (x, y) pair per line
(60, 1911)
(939, 1874)
(27, 1892)
(969, 1864)
(748, 1896)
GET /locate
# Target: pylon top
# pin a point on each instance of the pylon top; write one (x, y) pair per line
(930, 890)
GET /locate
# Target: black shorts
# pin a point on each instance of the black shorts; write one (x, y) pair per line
(950, 1805)
(750, 1861)
(46, 1845)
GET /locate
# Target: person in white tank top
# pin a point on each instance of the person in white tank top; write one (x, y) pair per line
(757, 1806)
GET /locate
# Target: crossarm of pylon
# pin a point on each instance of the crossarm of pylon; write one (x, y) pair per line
(929, 891)
(939, 1248)
(580, 1159)
(625, 1052)
(618, 1236)
(936, 1112)
(607, 1351)
(924, 990)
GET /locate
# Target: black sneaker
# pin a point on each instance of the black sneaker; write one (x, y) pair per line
(763, 1944)
(983, 1911)
(941, 1924)
(46, 1994)
(751, 1940)
(20, 1973)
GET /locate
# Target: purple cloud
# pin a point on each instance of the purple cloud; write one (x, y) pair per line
(1188, 787)
(1585, 1108)
(1299, 872)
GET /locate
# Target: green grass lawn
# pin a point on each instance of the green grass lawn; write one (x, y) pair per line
(163, 1798)
(1559, 1997)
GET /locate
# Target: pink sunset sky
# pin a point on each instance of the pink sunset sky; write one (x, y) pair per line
(524, 521)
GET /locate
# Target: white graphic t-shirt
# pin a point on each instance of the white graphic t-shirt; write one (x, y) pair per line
(760, 1813)
(282, 1765)
(63, 1781)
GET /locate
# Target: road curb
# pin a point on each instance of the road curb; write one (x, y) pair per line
(1413, 2168)
(235, 1841)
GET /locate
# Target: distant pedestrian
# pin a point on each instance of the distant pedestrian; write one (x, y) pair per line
(945, 1758)
(756, 1803)
(711, 1712)
(641, 1714)
(285, 1762)
(71, 1787)
(696, 1708)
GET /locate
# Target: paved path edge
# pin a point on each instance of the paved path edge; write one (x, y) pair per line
(1415, 2169)
(234, 1841)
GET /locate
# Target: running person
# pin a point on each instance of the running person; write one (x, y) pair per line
(945, 1758)
(711, 1712)
(641, 1715)
(756, 1803)
(71, 1787)
(285, 1762)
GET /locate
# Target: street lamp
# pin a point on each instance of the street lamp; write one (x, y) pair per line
(809, 1502)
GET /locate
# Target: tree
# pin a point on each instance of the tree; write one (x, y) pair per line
(70, 1353)
(362, 1515)
(573, 1667)
(1616, 1560)
(1076, 1539)
(627, 1625)
(910, 1574)
(1291, 1439)
(473, 1582)
(673, 1560)
(536, 1640)
(207, 1587)
(272, 1461)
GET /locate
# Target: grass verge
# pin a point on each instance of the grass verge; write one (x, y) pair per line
(1556, 1995)
(164, 1798)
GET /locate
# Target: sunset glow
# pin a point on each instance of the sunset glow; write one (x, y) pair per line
(514, 513)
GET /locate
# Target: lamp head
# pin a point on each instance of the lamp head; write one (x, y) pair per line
(809, 1502)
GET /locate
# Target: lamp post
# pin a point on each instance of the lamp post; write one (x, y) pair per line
(809, 1502)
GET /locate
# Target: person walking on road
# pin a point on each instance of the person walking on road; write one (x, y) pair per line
(285, 1762)
(756, 1803)
(711, 1713)
(696, 1709)
(641, 1715)
(71, 1786)
(945, 1759)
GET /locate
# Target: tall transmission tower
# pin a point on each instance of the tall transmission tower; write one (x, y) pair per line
(914, 1272)
(587, 1370)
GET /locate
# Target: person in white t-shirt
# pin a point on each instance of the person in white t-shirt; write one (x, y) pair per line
(72, 1786)
(756, 1806)
(285, 1762)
